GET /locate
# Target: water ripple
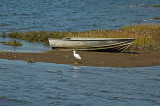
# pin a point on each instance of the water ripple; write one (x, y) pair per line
(78, 15)
(4, 101)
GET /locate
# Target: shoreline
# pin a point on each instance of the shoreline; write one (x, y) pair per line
(97, 59)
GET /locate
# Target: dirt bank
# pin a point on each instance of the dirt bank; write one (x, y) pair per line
(102, 59)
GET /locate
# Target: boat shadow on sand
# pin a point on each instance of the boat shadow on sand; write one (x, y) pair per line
(107, 51)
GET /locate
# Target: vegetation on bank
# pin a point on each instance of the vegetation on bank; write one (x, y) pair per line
(13, 43)
(147, 36)
(157, 18)
(156, 5)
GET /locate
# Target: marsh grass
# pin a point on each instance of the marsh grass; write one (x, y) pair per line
(157, 18)
(147, 36)
(13, 43)
(156, 5)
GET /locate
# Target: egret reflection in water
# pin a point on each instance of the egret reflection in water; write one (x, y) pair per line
(75, 71)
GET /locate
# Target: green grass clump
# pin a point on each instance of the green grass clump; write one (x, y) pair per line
(156, 5)
(13, 43)
(33, 36)
(157, 18)
(147, 36)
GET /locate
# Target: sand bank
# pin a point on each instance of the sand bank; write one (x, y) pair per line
(101, 59)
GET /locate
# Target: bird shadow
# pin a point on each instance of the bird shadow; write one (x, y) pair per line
(78, 63)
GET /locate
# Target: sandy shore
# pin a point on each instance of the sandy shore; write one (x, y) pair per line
(102, 59)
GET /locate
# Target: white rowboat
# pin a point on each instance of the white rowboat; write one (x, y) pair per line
(92, 44)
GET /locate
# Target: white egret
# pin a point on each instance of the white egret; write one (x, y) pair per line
(77, 56)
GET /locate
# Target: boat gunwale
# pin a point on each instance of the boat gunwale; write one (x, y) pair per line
(93, 39)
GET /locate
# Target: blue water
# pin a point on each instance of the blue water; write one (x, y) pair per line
(49, 84)
(75, 15)
(26, 46)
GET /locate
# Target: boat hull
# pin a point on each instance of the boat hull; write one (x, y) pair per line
(91, 44)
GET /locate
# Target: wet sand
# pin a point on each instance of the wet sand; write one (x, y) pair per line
(101, 59)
